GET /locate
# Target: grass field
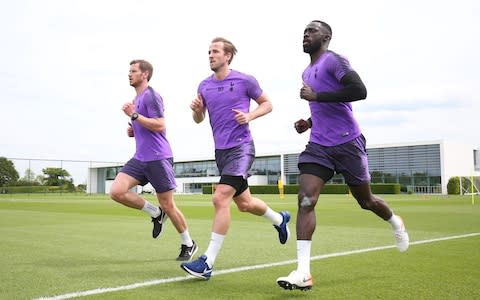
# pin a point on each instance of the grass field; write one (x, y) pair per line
(91, 247)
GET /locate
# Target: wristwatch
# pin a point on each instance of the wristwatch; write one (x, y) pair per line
(134, 116)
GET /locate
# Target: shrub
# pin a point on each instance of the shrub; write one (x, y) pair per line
(453, 186)
(385, 188)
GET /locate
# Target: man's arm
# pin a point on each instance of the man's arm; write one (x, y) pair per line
(152, 124)
(263, 108)
(353, 90)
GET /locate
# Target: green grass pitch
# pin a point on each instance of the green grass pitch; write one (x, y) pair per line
(89, 247)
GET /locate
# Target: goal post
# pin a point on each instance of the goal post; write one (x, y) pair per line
(470, 185)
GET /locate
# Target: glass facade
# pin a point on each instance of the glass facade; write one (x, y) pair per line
(269, 166)
(202, 168)
(265, 165)
(410, 166)
(111, 172)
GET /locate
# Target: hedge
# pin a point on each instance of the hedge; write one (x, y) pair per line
(32, 189)
(377, 188)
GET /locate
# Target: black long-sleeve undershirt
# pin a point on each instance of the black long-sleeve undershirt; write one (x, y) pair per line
(353, 90)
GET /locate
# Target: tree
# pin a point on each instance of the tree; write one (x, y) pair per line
(82, 188)
(29, 175)
(56, 176)
(40, 178)
(29, 179)
(8, 173)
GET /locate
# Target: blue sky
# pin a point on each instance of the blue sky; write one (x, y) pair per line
(65, 65)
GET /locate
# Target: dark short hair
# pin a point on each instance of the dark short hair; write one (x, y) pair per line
(228, 46)
(325, 26)
(144, 66)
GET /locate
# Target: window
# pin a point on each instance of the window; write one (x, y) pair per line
(112, 172)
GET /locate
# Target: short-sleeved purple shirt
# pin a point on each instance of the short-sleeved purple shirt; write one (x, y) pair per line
(220, 97)
(332, 123)
(150, 145)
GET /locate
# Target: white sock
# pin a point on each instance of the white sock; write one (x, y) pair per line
(274, 217)
(396, 222)
(186, 239)
(151, 209)
(303, 255)
(214, 246)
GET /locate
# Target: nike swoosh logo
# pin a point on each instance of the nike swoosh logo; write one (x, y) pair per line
(307, 280)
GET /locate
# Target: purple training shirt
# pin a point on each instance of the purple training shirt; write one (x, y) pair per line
(333, 123)
(150, 145)
(220, 97)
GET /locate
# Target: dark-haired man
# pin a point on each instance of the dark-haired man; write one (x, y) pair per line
(152, 161)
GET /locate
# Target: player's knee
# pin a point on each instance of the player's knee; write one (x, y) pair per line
(220, 201)
(168, 206)
(217, 200)
(243, 206)
(305, 201)
(116, 194)
(366, 204)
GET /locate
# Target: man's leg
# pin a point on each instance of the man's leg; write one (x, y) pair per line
(202, 267)
(368, 201)
(168, 205)
(246, 203)
(301, 278)
(188, 247)
(120, 192)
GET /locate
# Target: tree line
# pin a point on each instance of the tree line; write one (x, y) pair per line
(51, 177)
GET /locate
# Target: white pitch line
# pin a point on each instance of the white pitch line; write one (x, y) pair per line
(240, 269)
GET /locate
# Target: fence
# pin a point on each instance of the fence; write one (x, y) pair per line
(416, 189)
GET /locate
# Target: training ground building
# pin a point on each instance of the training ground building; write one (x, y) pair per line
(419, 167)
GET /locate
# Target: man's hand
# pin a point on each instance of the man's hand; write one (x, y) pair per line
(130, 130)
(128, 108)
(197, 104)
(302, 125)
(307, 93)
(198, 109)
(241, 117)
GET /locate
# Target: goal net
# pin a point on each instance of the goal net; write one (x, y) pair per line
(470, 185)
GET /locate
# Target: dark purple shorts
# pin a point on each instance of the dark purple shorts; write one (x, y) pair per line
(348, 159)
(158, 172)
(236, 161)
